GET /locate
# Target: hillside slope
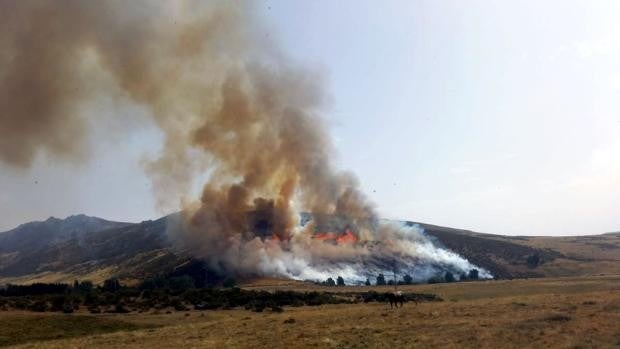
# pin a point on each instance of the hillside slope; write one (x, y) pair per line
(510, 257)
(40, 234)
(90, 251)
(92, 248)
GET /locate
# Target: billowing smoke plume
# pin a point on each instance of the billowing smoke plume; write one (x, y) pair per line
(230, 105)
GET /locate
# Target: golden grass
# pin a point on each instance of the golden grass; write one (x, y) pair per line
(584, 255)
(535, 313)
(17, 328)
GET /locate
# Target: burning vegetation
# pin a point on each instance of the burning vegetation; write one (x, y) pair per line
(233, 110)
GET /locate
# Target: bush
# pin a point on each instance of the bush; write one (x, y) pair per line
(58, 303)
(86, 286)
(33, 289)
(120, 308)
(177, 304)
(473, 274)
(533, 261)
(180, 307)
(407, 279)
(21, 304)
(367, 283)
(111, 285)
(90, 299)
(259, 307)
(38, 306)
(330, 282)
(67, 308)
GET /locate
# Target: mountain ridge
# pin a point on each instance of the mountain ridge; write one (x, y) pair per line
(86, 247)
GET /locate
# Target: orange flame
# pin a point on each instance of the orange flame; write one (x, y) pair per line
(348, 237)
(325, 236)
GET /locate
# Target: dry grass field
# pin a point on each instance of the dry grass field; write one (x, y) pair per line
(537, 313)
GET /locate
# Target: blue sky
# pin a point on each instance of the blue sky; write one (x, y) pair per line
(495, 116)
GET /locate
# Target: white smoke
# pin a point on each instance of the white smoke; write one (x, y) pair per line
(394, 249)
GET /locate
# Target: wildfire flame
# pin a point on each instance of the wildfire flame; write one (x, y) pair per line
(348, 237)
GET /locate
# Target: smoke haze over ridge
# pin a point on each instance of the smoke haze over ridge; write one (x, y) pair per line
(228, 103)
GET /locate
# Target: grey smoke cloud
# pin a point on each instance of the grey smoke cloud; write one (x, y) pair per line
(227, 102)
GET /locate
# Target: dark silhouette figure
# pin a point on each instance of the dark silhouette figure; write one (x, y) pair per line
(395, 299)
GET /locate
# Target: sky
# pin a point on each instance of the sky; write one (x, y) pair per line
(500, 117)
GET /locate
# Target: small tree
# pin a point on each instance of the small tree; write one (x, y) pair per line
(58, 302)
(86, 286)
(39, 306)
(407, 279)
(463, 277)
(473, 274)
(367, 283)
(340, 281)
(449, 277)
(330, 282)
(111, 285)
(380, 280)
(533, 261)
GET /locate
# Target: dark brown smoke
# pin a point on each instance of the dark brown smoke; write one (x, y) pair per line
(232, 108)
(208, 85)
(56, 57)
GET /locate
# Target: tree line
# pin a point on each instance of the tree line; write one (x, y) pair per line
(407, 279)
(168, 294)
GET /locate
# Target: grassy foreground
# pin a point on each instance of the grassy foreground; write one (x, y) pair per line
(563, 313)
(18, 328)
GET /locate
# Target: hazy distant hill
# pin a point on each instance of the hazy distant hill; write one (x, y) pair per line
(84, 247)
(53, 230)
(92, 248)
